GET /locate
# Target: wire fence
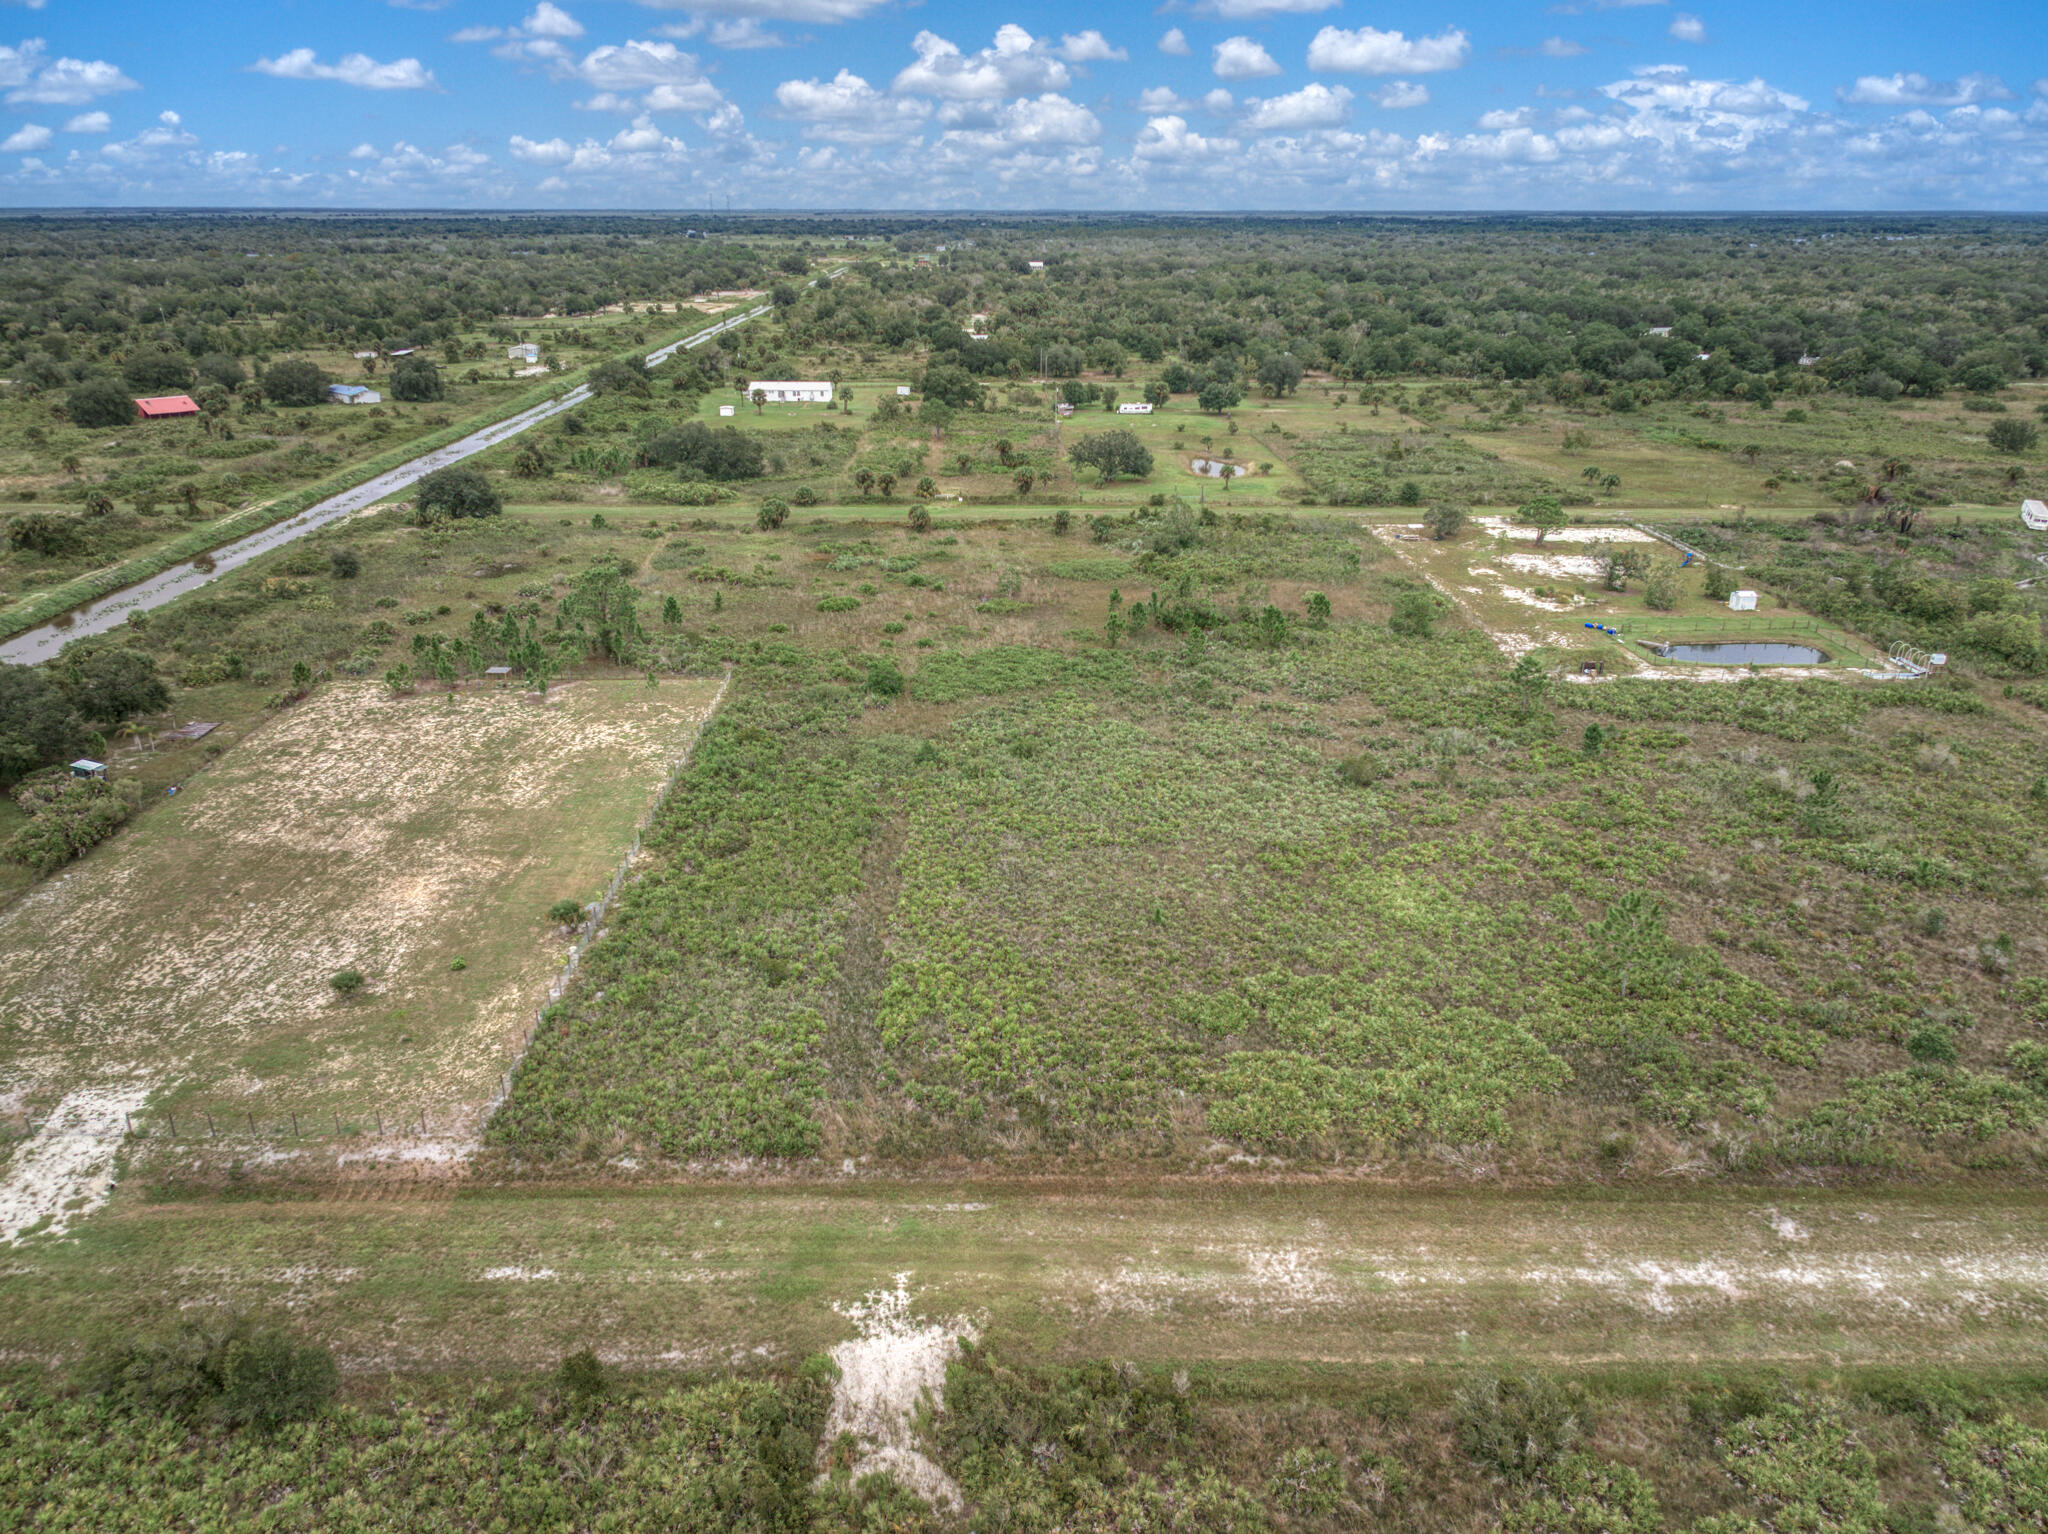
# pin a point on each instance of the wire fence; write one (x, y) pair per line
(257, 1123)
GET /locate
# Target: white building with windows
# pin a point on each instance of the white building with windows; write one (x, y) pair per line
(1138, 407)
(526, 351)
(788, 393)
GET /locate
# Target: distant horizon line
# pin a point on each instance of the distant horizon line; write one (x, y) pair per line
(687, 212)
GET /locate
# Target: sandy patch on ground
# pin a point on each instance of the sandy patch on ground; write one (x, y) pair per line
(1563, 567)
(1505, 527)
(1530, 599)
(897, 1361)
(358, 830)
(66, 1170)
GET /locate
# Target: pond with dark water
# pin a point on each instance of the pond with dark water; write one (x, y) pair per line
(1740, 653)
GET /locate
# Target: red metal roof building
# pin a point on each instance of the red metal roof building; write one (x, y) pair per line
(166, 404)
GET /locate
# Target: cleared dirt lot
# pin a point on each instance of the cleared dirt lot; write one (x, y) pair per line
(191, 956)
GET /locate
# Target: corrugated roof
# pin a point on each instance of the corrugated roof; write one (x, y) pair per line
(168, 404)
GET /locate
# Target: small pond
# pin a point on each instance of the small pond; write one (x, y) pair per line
(1740, 653)
(1215, 468)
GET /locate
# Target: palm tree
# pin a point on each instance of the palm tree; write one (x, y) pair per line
(71, 464)
(864, 480)
(886, 483)
(1610, 483)
(1023, 482)
(927, 487)
(1004, 448)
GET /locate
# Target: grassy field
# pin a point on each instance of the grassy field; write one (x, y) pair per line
(418, 840)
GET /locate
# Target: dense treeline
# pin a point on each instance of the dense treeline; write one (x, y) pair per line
(80, 293)
(1632, 309)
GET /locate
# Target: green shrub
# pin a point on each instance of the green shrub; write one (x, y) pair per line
(567, 912)
(1414, 613)
(65, 817)
(583, 1376)
(232, 1371)
(1934, 1045)
(884, 679)
(1520, 1425)
(838, 603)
(346, 982)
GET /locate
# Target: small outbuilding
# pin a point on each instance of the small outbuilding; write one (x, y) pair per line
(903, 391)
(497, 671)
(352, 394)
(86, 767)
(2035, 515)
(526, 351)
(1742, 601)
(163, 406)
(1140, 407)
(725, 410)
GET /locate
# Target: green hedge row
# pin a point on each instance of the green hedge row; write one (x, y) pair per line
(44, 606)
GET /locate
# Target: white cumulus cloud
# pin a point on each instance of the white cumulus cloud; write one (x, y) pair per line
(1688, 28)
(1560, 48)
(1369, 51)
(1018, 63)
(1911, 88)
(1399, 95)
(1242, 58)
(1313, 106)
(1174, 43)
(847, 110)
(26, 139)
(32, 78)
(357, 69)
(1251, 10)
(89, 122)
(1089, 47)
(1169, 138)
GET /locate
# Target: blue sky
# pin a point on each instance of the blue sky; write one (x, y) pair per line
(1226, 104)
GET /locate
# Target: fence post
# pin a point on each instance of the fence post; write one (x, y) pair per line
(211, 1132)
(129, 1122)
(174, 1122)
(252, 1123)
(295, 1126)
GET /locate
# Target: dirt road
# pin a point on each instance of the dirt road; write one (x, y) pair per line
(1307, 1275)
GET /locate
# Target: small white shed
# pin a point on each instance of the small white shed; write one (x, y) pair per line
(903, 391)
(2035, 515)
(526, 351)
(1742, 601)
(1142, 407)
(725, 410)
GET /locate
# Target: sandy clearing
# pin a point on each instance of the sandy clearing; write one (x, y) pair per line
(1563, 567)
(1505, 527)
(898, 1361)
(66, 1170)
(361, 830)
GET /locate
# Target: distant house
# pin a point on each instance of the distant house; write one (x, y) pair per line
(86, 767)
(1034, 266)
(1703, 356)
(403, 351)
(363, 356)
(1658, 330)
(164, 405)
(1140, 407)
(1063, 410)
(2035, 515)
(725, 410)
(903, 391)
(526, 351)
(352, 394)
(1742, 601)
(1807, 359)
(977, 335)
(784, 392)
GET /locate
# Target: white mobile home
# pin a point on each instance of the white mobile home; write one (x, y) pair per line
(1141, 407)
(2035, 515)
(787, 393)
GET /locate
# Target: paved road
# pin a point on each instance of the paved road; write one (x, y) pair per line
(113, 609)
